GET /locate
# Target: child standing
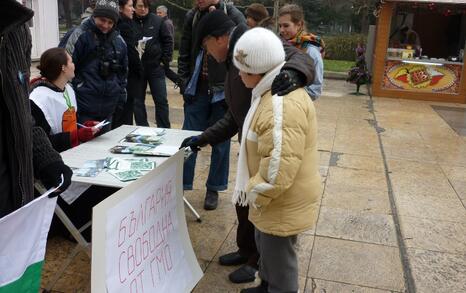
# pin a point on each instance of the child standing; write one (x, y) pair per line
(277, 172)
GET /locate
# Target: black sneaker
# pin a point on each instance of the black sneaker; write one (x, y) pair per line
(232, 259)
(211, 200)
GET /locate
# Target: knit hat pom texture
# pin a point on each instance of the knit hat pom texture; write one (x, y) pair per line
(258, 51)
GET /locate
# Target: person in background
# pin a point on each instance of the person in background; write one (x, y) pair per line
(100, 56)
(89, 10)
(25, 151)
(162, 11)
(203, 93)
(53, 106)
(278, 172)
(408, 37)
(158, 51)
(53, 101)
(257, 15)
(292, 30)
(127, 28)
(219, 34)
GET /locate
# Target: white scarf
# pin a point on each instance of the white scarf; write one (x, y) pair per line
(242, 172)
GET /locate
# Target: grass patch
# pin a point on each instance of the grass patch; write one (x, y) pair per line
(338, 65)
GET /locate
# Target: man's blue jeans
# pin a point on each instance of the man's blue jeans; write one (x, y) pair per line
(199, 115)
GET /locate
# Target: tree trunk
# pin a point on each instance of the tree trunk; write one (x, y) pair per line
(365, 21)
(67, 12)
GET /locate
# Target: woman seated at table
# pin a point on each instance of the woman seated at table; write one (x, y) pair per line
(53, 106)
(53, 102)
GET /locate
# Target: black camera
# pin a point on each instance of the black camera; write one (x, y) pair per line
(109, 67)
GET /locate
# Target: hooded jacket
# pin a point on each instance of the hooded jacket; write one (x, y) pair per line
(238, 97)
(28, 149)
(97, 95)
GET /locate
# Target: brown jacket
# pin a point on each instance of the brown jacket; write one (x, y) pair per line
(238, 97)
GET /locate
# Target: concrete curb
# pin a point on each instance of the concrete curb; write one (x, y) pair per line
(335, 75)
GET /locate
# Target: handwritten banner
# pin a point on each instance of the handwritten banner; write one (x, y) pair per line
(145, 251)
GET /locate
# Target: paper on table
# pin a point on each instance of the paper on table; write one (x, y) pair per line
(165, 150)
(149, 131)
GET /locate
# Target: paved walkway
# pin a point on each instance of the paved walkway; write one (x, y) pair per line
(392, 216)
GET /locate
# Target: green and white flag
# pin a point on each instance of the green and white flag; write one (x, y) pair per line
(23, 236)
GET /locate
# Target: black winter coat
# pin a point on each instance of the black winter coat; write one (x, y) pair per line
(158, 49)
(238, 97)
(28, 149)
(189, 52)
(97, 95)
(129, 32)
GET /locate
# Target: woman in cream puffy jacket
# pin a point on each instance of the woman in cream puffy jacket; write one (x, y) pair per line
(278, 172)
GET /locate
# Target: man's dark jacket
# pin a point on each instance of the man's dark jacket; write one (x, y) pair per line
(189, 51)
(98, 97)
(160, 48)
(238, 97)
(27, 147)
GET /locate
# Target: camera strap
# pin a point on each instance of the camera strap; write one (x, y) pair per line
(99, 50)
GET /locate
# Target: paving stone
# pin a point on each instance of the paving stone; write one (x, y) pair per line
(358, 162)
(352, 225)
(438, 271)
(419, 179)
(356, 142)
(434, 235)
(457, 178)
(356, 199)
(357, 263)
(325, 135)
(207, 238)
(357, 178)
(428, 207)
(304, 250)
(323, 286)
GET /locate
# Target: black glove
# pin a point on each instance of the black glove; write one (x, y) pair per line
(287, 81)
(50, 176)
(194, 142)
(182, 84)
(166, 62)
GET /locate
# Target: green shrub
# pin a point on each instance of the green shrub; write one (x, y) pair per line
(342, 47)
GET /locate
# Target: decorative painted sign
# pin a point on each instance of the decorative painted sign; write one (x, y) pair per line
(444, 78)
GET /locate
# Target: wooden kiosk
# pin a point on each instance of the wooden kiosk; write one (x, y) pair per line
(420, 50)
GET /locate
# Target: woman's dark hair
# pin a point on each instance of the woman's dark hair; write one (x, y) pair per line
(51, 62)
(145, 2)
(122, 3)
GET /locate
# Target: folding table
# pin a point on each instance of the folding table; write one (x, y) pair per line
(98, 149)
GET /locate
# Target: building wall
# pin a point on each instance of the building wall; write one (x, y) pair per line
(44, 29)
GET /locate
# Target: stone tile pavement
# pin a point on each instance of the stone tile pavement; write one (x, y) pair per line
(392, 216)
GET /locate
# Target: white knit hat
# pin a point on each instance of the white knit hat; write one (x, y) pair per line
(258, 51)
